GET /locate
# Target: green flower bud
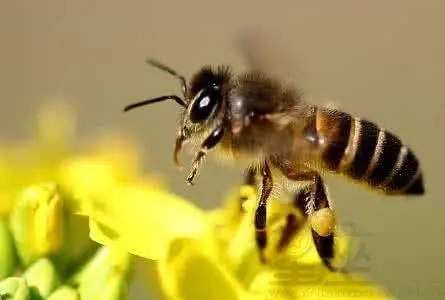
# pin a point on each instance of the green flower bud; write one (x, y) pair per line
(42, 276)
(14, 288)
(64, 293)
(8, 259)
(104, 276)
(37, 223)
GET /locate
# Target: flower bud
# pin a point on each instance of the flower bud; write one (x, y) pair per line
(42, 276)
(14, 288)
(7, 253)
(64, 293)
(37, 222)
(104, 276)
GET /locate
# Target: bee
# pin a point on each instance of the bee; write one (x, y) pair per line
(257, 119)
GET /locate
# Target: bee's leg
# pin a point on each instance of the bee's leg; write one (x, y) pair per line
(316, 203)
(261, 210)
(323, 229)
(293, 224)
(249, 182)
(211, 141)
(250, 177)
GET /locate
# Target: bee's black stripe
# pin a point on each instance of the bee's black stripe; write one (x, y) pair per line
(375, 157)
(335, 148)
(415, 187)
(404, 172)
(387, 159)
(365, 148)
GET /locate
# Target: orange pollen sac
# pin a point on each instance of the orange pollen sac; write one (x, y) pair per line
(323, 221)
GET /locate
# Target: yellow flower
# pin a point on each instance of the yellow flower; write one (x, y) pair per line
(35, 160)
(45, 252)
(211, 254)
(41, 157)
(31, 205)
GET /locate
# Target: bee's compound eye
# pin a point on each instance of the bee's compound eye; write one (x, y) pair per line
(204, 105)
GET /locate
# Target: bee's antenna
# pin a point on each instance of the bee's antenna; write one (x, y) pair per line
(169, 70)
(178, 100)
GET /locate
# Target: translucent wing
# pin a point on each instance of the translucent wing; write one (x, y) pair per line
(266, 53)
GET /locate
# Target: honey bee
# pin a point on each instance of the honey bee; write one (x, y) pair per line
(256, 118)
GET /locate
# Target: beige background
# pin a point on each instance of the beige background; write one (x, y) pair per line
(379, 59)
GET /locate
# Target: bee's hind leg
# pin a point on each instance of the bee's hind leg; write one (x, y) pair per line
(323, 221)
(317, 209)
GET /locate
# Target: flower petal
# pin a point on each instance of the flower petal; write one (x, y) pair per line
(189, 273)
(294, 281)
(143, 220)
(119, 150)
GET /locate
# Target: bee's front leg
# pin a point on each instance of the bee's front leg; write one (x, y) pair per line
(209, 143)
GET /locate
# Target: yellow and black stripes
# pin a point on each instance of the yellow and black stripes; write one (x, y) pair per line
(367, 153)
(333, 130)
(364, 142)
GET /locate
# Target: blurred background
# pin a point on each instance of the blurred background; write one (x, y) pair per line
(382, 60)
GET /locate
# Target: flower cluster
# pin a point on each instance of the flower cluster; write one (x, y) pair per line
(212, 255)
(45, 252)
(198, 254)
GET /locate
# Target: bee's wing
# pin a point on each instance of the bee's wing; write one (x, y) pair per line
(266, 53)
(250, 45)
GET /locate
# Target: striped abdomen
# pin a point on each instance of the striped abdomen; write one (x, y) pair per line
(365, 152)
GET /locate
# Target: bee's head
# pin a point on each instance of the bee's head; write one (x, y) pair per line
(202, 100)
